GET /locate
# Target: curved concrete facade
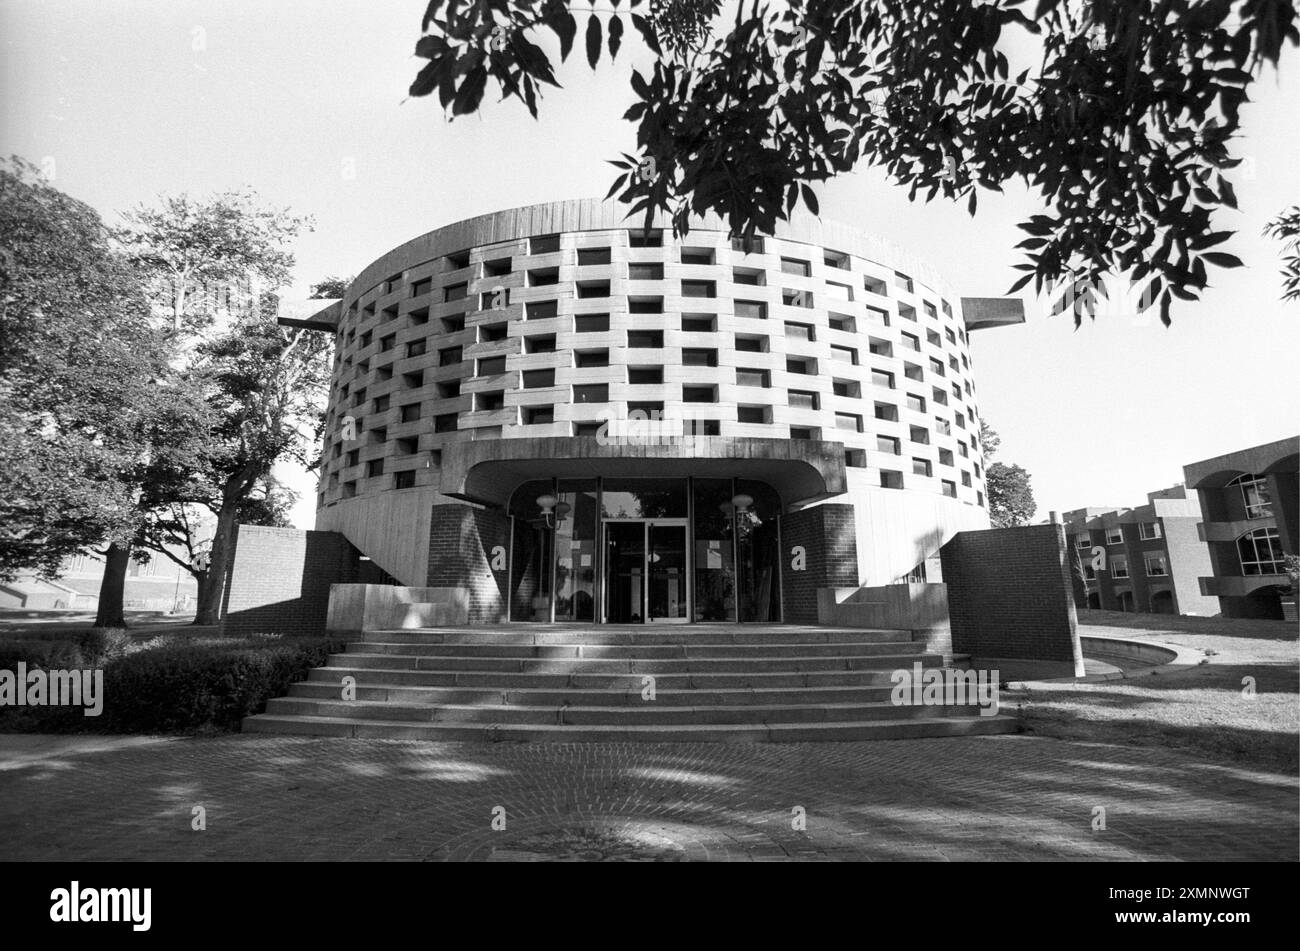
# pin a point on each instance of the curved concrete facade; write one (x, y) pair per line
(559, 341)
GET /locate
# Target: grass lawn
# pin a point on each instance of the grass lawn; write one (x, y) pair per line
(1204, 710)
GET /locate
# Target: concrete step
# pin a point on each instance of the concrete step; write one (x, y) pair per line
(636, 651)
(633, 635)
(648, 713)
(848, 730)
(681, 680)
(627, 694)
(904, 656)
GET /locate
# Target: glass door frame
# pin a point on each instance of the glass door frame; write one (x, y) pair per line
(646, 524)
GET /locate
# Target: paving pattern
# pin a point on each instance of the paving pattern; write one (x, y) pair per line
(291, 798)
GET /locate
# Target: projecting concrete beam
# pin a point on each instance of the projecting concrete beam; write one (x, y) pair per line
(311, 314)
(981, 312)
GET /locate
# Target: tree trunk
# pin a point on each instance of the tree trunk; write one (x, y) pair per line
(112, 588)
(212, 583)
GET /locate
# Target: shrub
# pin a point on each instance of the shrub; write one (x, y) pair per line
(169, 685)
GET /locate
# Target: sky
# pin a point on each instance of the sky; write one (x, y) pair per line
(306, 102)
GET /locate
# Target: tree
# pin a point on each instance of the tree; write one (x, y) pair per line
(238, 387)
(331, 288)
(1120, 121)
(1010, 496)
(1286, 228)
(78, 355)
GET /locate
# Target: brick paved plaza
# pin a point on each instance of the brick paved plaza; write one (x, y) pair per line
(286, 798)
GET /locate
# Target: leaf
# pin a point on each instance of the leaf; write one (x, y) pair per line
(566, 28)
(647, 33)
(615, 36)
(1222, 259)
(971, 202)
(593, 40)
(470, 93)
(810, 200)
(426, 81)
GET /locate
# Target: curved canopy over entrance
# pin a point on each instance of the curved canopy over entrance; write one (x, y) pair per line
(800, 470)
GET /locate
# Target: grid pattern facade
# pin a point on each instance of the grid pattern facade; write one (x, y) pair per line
(555, 334)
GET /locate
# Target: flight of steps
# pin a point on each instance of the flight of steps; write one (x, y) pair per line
(550, 683)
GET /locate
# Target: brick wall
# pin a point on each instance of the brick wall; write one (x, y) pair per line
(827, 535)
(279, 579)
(1009, 594)
(461, 541)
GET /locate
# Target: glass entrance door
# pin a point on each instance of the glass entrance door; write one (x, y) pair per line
(666, 571)
(646, 571)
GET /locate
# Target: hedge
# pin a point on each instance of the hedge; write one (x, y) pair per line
(168, 685)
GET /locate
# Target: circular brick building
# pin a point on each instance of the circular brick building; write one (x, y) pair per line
(556, 415)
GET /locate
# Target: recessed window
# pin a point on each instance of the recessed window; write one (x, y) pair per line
(793, 297)
(803, 432)
(641, 376)
(965, 479)
(916, 403)
(699, 289)
(890, 445)
(889, 479)
(419, 317)
(458, 260)
(939, 396)
(904, 282)
(839, 291)
(649, 409)
(1148, 530)
(748, 276)
(645, 305)
(588, 289)
(378, 435)
(921, 467)
(751, 308)
(387, 343)
(455, 292)
(886, 411)
(752, 377)
(407, 445)
(410, 412)
(796, 266)
(802, 399)
(752, 414)
(849, 422)
(404, 479)
(880, 348)
(855, 458)
(882, 378)
(353, 457)
(836, 259)
(537, 379)
(699, 394)
(544, 244)
(752, 245)
(497, 268)
(919, 434)
(1254, 495)
(849, 388)
(381, 404)
(875, 285)
(653, 238)
(417, 348)
(591, 393)
(1119, 566)
(446, 422)
(453, 324)
(1115, 536)
(491, 366)
(491, 400)
(637, 271)
(421, 287)
(538, 415)
(751, 344)
(587, 429)
(699, 323)
(540, 310)
(697, 255)
(912, 371)
(942, 426)
(1155, 564)
(591, 256)
(805, 366)
(652, 339)
(945, 457)
(842, 322)
(542, 343)
(1261, 553)
(1083, 540)
(413, 380)
(591, 358)
(930, 310)
(590, 323)
(449, 389)
(795, 331)
(489, 333)
(543, 276)
(949, 488)
(375, 467)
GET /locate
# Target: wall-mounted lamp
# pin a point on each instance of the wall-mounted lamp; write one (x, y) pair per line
(550, 505)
